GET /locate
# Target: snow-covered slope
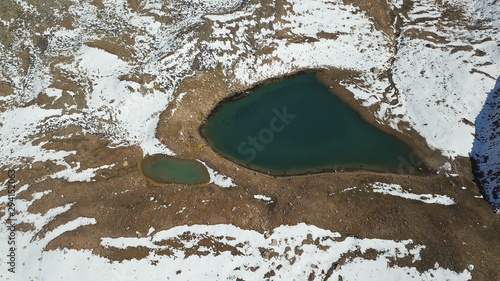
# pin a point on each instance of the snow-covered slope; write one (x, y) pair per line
(109, 68)
(220, 252)
(444, 68)
(441, 73)
(486, 150)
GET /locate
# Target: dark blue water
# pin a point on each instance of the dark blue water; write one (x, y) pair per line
(296, 126)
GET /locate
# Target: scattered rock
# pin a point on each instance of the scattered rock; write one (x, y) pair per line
(375, 70)
(269, 274)
(267, 253)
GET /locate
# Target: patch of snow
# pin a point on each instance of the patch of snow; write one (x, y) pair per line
(39, 195)
(218, 179)
(69, 226)
(248, 263)
(18, 125)
(72, 174)
(133, 115)
(151, 230)
(349, 189)
(181, 210)
(29, 246)
(355, 33)
(397, 190)
(267, 199)
(447, 166)
(398, 4)
(125, 242)
(53, 92)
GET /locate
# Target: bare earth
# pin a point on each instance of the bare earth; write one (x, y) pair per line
(125, 204)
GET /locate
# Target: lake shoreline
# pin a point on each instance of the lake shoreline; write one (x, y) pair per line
(207, 91)
(417, 161)
(206, 176)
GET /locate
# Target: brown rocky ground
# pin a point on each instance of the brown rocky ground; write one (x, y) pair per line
(448, 231)
(125, 204)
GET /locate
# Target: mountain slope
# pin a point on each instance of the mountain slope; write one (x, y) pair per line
(87, 88)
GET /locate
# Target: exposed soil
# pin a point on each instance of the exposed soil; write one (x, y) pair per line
(125, 204)
(317, 199)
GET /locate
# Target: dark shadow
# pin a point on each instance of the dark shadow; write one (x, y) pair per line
(485, 154)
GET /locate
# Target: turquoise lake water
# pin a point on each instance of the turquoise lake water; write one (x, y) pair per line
(297, 126)
(170, 170)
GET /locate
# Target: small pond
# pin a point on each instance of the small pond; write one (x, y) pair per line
(296, 125)
(165, 169)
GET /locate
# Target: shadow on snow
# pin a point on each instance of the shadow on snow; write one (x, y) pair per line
(485, 154)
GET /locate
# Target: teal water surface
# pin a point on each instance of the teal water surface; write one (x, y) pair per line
(170, 170)
(297, 126)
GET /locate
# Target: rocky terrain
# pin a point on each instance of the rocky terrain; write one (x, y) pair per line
(87, 88)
